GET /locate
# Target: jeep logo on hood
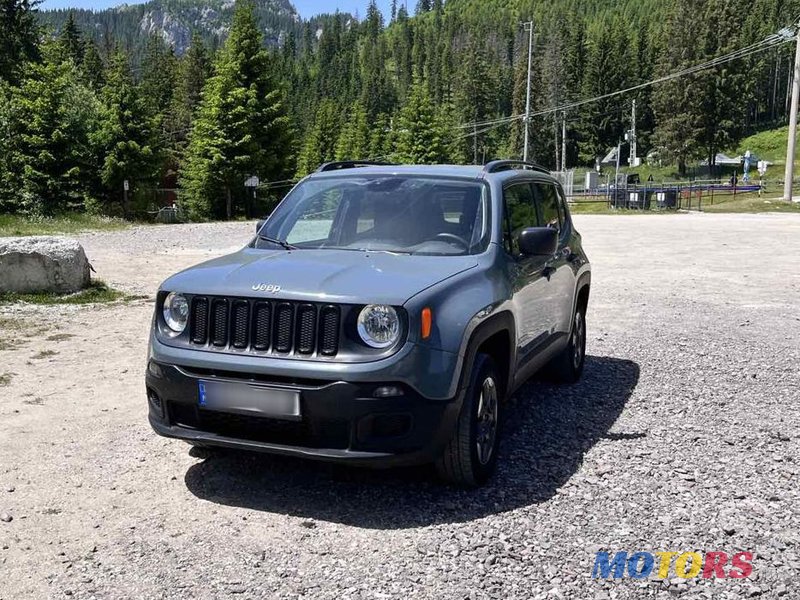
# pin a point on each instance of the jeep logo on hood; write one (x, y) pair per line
(269, 288)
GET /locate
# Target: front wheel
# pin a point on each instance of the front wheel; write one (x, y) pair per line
(471, 455)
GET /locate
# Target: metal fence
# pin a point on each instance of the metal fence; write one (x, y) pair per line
(692, 195)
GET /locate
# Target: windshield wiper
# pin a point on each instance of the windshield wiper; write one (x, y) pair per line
(282, 243)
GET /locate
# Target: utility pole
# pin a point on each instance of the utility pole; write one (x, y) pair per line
(632, 158)
(564, 142)
(475, 144)
(529, 29)
(791, 147)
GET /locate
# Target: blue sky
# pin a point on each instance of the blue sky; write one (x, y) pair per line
(307, 8)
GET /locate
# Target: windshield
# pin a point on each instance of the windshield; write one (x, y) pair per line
(403, 214)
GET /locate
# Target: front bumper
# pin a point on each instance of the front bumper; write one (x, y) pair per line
(341, 421)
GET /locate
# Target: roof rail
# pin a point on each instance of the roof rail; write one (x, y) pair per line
(507, 165)
(351, 164)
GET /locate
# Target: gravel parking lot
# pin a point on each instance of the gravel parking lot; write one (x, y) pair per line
(683, 435)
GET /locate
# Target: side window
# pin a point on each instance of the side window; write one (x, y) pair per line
(520, 214)
(548, 201)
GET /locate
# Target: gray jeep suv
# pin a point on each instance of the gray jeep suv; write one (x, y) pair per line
(380, 316)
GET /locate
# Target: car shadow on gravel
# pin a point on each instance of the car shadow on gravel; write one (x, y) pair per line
(548, 429)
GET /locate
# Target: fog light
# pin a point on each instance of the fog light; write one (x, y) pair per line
(155, 403)
(388, 391)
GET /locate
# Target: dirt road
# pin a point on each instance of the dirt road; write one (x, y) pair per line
(684, 435)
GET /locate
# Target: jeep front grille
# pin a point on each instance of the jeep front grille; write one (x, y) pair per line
(265, 327)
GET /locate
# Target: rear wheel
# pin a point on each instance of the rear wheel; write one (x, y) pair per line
(471, 455)
(567, 367)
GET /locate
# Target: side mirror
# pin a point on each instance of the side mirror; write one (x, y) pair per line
(260, 224)
(538, 241)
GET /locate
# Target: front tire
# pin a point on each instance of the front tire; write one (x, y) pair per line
(567, 367)
(471, 454)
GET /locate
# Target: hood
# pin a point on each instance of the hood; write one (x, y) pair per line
(337, 276)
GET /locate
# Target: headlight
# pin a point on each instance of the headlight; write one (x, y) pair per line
(379, 325)
(176, 312)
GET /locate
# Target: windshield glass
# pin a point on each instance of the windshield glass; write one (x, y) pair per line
(403, 214)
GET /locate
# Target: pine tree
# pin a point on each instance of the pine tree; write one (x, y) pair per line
(723, 114)
(381, 139)
(127, 137)
(678, 103)
(70, 41)
(319, 145)
(608, 66)
(50, 120)
(421, 138)
(158, 76)
(241, 129)
(19, 37)
(353, 142)
(193, 72)
(473, 100)
(92, 66)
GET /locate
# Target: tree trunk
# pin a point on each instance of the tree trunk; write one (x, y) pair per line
(228, 203)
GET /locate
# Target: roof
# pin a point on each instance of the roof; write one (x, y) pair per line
(464, 171)
(474, 172)
(723, 160)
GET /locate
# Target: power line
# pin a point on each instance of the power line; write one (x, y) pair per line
(772, 41)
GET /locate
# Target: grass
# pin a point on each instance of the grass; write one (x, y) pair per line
(97, 292)
(70, 223)
(600, 207)
(44, 354)
(766, 145)
(753, 204)
(742, 203)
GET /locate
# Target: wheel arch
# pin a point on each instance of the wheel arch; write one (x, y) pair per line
(496, 337)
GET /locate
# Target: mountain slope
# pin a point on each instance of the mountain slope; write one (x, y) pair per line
(175, 21)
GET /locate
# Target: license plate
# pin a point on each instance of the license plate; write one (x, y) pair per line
(252, 400)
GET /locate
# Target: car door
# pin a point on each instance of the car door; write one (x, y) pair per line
(559, 271)
(531, 289)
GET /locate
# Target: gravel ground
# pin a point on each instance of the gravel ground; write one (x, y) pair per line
(683, 435)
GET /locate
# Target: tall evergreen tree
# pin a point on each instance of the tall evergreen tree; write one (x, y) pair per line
(127, 138)
(159, 66)
(51, 117)
(93, 67)
(242, 128)
(678, 103)
(193, 72)
(19, 37)
(353, 142)
(421, 136)
(70, 41)
(319, 145)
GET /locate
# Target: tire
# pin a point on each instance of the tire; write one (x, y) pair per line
(567, 367)
(470, 456)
